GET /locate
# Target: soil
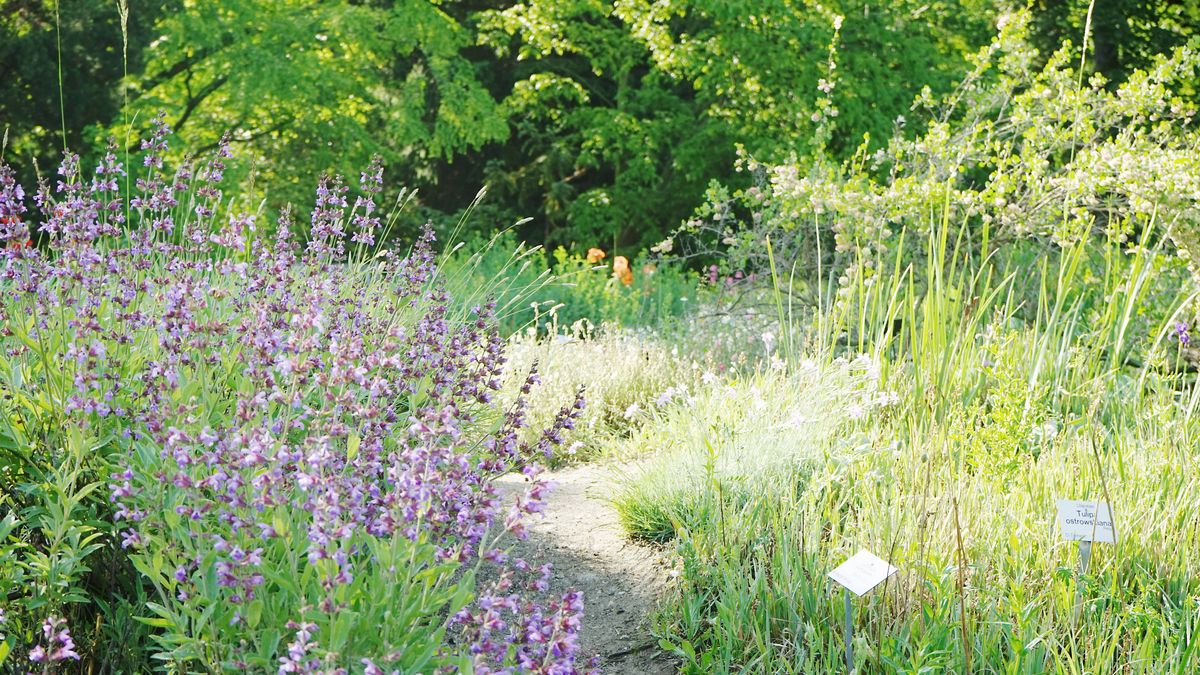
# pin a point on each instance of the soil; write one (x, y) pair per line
(621, 581)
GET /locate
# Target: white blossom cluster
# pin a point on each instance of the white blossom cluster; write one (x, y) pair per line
(1017, 150)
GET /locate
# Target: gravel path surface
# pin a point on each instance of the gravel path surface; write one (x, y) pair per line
(621, 581)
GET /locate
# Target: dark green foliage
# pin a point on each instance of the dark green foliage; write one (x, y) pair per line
(623, 112)
(1125, 34)
(602, 121)
(758, 66)
(91, 41)
(306, 89)
(609, 148)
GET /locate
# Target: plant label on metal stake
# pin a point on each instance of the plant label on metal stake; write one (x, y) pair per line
(1085, 522)
(858, 575)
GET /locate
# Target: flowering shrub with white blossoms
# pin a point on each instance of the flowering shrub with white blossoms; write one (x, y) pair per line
(1016, 152)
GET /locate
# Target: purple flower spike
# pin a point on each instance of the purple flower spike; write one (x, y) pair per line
(58, 645)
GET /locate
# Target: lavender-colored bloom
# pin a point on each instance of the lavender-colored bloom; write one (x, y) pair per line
(327, 233)
(366, 218)
(1180, 333)
(57, 644)
(37, 654)
(298, 659)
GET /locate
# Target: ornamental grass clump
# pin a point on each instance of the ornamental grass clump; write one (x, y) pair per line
(296, 436)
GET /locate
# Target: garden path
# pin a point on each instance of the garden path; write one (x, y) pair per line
(621, 581)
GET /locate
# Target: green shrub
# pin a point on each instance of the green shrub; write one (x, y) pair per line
(1017, 152)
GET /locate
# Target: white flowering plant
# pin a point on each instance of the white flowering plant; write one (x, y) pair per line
(1019, 154)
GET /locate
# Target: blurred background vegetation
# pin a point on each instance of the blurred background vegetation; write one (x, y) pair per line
(602, 122)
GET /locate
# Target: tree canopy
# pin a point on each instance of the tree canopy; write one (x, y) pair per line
(602, 121)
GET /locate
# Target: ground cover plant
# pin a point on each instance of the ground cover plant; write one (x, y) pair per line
(239, 451)
(635, 377)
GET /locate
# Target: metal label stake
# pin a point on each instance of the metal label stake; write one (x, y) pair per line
(1085, 555)
(848, 630)
(1085, 522)
(857, 576)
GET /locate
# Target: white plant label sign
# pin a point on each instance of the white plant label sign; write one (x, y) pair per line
(862, 572)
(1086, 521)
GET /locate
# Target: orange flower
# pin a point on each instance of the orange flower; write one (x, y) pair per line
(594, 256)
(621, 270)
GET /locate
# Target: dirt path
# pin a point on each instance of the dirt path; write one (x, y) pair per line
(621, 581)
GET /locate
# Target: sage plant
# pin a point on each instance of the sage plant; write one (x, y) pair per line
(301, 435)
